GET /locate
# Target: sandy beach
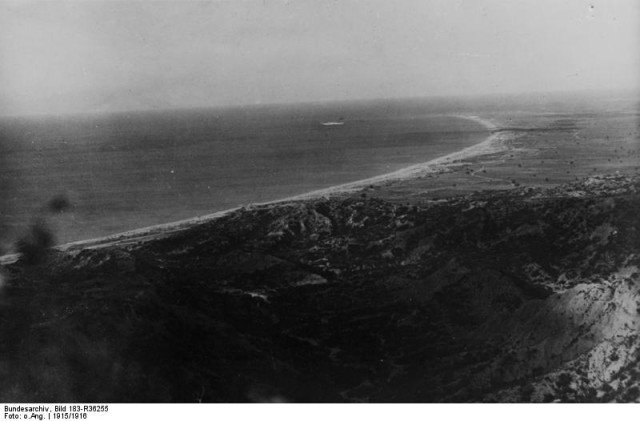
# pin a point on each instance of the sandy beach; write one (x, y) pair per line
(504, 159)
(494, 143)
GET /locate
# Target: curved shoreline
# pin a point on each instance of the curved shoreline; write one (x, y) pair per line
(489, 145)
(492, 144)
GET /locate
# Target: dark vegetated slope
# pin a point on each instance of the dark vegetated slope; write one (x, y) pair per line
(517, 295)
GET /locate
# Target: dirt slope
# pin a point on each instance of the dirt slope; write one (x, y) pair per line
(518, 295)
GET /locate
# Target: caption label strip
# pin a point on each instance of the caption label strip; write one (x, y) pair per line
(53, 412)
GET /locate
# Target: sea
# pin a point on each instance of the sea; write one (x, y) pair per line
(122, 171)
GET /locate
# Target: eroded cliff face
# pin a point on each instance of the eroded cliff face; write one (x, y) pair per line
(521, 295)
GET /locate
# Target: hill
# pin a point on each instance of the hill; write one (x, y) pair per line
(524, 294)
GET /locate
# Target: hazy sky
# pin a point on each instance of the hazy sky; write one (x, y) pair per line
(60, 57)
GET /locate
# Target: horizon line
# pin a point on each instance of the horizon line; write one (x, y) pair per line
(458, 96)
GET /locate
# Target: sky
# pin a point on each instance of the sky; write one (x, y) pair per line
(59, 57)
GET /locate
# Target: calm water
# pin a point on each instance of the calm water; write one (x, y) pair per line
(132, 170)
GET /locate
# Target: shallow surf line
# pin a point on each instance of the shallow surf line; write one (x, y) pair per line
(492, 144)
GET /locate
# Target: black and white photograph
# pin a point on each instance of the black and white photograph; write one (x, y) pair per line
(318, 201)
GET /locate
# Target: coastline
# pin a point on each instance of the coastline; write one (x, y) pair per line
(492, 144)
(369, 284)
